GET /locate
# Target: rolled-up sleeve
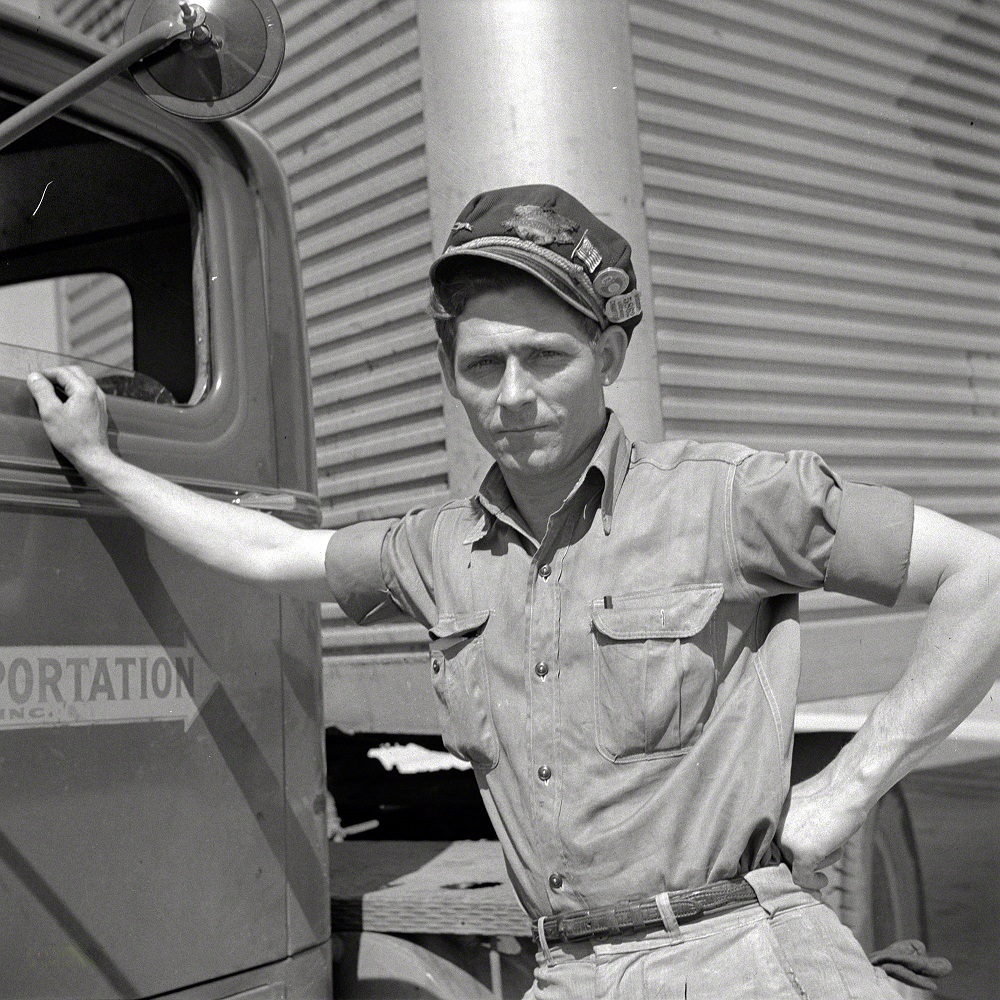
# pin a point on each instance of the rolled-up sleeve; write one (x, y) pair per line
(871, 550)
(354, 571)
(796, 525)
(380, 570)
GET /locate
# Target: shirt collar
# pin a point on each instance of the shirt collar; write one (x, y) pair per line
(611, 460)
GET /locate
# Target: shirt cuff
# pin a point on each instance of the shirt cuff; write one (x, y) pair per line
(354, 571)
(871, 549)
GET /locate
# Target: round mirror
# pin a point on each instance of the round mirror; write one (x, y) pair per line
(228, 62)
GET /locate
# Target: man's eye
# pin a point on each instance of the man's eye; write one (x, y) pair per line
(479, 364)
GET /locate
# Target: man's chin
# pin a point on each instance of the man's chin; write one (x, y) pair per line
(531, 463)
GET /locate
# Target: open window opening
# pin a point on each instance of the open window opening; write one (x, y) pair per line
(97, 259)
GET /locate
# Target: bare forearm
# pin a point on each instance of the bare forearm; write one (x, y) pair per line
(953, 668)
(245, 544)
(955, 570)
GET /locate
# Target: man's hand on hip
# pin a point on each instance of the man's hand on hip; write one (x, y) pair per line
(814, 829)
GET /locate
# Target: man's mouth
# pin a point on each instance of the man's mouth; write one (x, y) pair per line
(502, 431)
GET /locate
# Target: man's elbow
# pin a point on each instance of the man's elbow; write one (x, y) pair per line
(946, 554)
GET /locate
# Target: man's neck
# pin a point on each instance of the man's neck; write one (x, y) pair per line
(537, 498)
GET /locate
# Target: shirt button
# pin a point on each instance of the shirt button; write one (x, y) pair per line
(545, 571)
(436, 663)
(541, 668)
(545, 772)
(555, 881)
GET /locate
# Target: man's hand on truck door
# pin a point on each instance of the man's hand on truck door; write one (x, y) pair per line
(73, 411)
(249, 545)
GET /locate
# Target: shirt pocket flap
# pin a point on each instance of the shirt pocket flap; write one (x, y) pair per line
(669, 614)
(452, 629)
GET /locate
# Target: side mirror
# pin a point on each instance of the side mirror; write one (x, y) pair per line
(203, 60)
(226, 64)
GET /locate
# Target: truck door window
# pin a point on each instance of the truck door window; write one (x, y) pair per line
(97, 262)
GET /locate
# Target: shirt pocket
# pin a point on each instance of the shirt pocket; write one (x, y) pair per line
(654, 667)
(461, 685)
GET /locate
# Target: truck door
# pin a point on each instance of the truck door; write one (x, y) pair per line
(153, 833)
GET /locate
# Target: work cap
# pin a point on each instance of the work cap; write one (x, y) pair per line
(545, 231)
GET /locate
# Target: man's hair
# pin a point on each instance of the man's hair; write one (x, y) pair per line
(468, 277)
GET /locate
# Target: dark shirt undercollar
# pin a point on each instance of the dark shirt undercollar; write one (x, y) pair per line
(611, 461)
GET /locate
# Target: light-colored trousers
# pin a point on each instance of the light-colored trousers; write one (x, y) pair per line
(787, 947)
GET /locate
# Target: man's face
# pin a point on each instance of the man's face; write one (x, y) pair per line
(531, 382)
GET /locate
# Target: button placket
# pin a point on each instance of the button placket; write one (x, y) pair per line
(540, 679)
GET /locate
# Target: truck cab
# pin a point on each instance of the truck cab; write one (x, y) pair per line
(162, 829)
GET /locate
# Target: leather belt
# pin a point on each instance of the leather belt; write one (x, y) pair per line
(637, 915)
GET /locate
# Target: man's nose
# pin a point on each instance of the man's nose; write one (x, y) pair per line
(516, 387)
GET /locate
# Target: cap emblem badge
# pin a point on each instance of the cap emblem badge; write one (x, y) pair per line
(610, 282)
(622, 308)
(586, 252)
(541, 225)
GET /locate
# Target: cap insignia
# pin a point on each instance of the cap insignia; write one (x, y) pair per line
(541, 225)
(610, 282)
(586, 251)
(622, 308)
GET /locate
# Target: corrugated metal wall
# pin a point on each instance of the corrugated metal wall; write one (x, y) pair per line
(345, 119)
(97, 314)
(824, 221)
(98, 18)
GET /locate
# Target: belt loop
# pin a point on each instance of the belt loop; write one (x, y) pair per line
(667, 915)
(771, 887)
(543, 944)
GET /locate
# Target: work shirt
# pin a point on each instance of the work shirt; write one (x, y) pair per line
(625, 687)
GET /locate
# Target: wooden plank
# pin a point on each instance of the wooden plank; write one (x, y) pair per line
(423, 887)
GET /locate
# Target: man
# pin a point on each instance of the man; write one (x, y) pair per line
(613, 628)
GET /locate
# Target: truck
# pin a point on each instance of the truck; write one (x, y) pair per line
(168, 747)
(162, 829)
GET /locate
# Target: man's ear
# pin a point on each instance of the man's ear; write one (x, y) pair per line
(447, 370)
(611, 347)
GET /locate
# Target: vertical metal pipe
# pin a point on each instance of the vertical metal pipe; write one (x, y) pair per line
(539, 91)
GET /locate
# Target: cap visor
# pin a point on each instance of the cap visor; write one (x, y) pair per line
(552, 277)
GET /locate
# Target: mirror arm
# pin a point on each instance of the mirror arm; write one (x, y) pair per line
(144, 44)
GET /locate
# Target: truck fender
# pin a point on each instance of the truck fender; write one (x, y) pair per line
(370, 966)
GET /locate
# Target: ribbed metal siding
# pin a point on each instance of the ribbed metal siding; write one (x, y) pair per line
(346, 121)
(345, 116)
(823, 199)
(98, 18)
(97, 310)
